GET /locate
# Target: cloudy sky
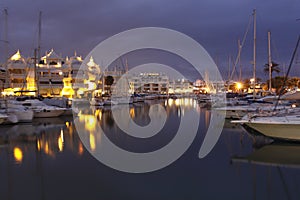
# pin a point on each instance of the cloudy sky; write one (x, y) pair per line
(69, 25)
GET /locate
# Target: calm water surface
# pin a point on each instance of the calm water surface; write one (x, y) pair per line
(47, 160)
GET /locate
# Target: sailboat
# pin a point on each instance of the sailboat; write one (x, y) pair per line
(284, 126)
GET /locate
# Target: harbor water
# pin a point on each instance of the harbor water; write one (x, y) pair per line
(47, 159)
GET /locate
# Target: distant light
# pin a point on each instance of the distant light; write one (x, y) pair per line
(239, 85)
(80, 149)
(18, 154)
(92, 142)
(60, 142)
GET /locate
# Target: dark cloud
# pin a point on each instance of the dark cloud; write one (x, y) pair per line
(79, 25)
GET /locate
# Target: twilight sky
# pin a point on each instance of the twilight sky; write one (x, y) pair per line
(69, 25)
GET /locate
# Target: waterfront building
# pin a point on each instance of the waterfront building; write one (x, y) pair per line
(18, 70)
(75, 82)
(200, 87)
(51, 71)
(151, 83)
(181, 86)
(2, 77)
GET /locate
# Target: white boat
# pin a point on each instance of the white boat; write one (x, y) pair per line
(82, 101)
(3, 118)
(10, 119)
(292, 95)
(281, 126)
(122, 99)
(138, 98)
(46, 112)
(96, 102)
(17, 113)
(150, 97)
(39, 108)
(109, 102)
(238, 112)
(23, 115)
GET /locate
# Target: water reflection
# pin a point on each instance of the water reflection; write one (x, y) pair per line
(47, 160)
(275, 155)
(18, 154)
(92, 122)
(50, 136)
(281, 163)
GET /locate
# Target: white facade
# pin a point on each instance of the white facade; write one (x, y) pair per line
(181, 86)
(153, 83)
(51, 71)
(17, 70)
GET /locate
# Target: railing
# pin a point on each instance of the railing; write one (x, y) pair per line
(17, 85)
(19, 76)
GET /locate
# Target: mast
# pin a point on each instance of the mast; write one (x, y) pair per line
(254, 53)
(36, 79)
(229, 73)
(39, 37)
(269, 61)
(239, 60)
(6, 45)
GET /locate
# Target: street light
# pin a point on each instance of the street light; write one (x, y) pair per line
(239, 85)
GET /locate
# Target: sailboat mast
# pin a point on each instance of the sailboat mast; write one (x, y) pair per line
(254, 53)
(39, 36)
(239, 60)
(6, 46)
(269, 61)
(36, 78)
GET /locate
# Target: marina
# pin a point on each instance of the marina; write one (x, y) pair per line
(148, 100)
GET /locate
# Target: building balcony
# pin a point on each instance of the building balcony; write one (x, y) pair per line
(54, 79)
(17, 76)
(50, 86)
(17, 85)
(16, 66)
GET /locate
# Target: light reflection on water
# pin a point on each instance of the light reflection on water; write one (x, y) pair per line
(47, 160)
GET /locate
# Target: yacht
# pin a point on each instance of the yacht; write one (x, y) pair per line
(138, 98)
(281, 125)
(39, 108)
(96, 102)
(238, 112)
(122, 99)
(292, 95)
(3, 118)
(16, 113)
(109, 102)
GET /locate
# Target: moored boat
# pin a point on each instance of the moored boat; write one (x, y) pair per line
(3, 118)
(284, 126)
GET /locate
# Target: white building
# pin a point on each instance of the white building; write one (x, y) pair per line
(17, 70)
(2, 77)
(51, 72)
(181, 86)
(153, 83)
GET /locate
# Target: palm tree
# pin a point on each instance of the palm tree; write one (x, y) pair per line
(109, 80)
(274, 67)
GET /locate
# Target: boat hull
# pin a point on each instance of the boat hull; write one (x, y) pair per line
(277, 131)
(48, 113)
(25, 116)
